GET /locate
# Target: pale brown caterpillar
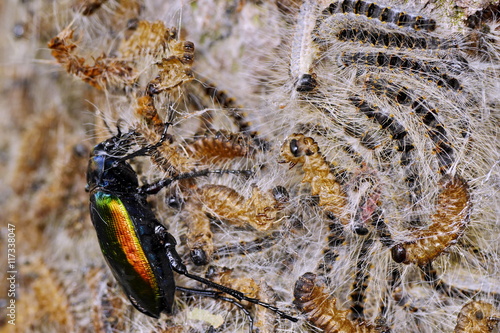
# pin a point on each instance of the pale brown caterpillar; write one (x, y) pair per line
(103, 73)
(453, 208)
(264, 323)
(298, 148)
(321, 311)
(477, 317)
(220, 145)
(175, 58)
(260, 211)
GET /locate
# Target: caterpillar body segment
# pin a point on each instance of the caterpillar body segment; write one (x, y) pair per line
(260, 211)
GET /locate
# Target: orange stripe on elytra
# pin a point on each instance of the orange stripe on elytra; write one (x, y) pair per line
(129, 242)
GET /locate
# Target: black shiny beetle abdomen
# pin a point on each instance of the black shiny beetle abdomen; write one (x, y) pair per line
(137, 247)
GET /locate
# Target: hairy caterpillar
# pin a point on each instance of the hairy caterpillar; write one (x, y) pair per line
(256, 289)
(221, 98)
(384, 14)
(303, 50)
(436, 131)
(304, 150)
(358, 293)
(259, 211)
(221, 144)
(394, 61)
(448, 223)
(321, 309)
(396, 130)
(378, 37)
(100, 74)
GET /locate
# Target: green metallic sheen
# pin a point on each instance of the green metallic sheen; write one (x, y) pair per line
(123, 251)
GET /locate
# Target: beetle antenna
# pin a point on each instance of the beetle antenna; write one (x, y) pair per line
(118, 129)
(157, 186)
(240, 296)
(145, 150)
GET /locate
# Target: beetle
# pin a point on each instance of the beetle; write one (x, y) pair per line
(139, 250)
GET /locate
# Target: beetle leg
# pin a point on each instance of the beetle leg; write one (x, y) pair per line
(168, 242)
(157, 186)
(240, 296)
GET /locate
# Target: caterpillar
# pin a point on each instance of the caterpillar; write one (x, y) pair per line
(335, 239)
(260, 211)
(448, 223)
(426, 70)
(373, 10)
(395, 129)
(303, 50)
(200, 94)
(298, 148)
(246, 247)
(220, 145)
(256, 289)
(358, 292)
(428, 115)
(321, 310)
(98, 75)
(376, 37)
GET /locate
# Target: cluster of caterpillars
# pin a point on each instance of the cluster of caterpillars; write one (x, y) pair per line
(322, 311)
(374, 43)
(389, 39)
(447, 223)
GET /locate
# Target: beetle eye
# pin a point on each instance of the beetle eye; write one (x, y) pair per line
(294, 148)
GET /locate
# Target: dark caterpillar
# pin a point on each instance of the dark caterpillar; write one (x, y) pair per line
(373, 10)
(395, 129)
(394, 61)
(428, 116)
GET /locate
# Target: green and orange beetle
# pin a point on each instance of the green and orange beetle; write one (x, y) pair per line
(137, 247)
